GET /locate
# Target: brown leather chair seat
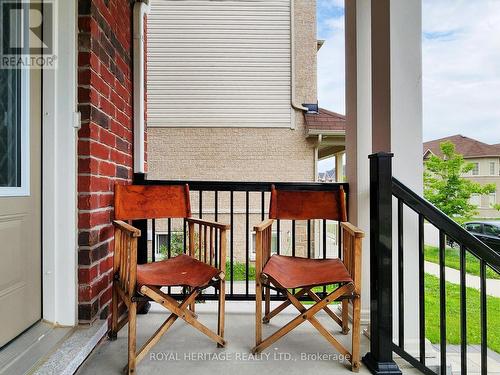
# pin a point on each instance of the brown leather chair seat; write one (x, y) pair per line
(179, 271)
(293, 272)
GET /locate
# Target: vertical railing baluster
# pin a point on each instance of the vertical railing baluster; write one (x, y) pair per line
(401, 301)
(169, 237)
(247, 240)
(200, 205)
(169, 243)
(184, 234)
(216, 216)
(231, 245)
(278, 236)
(442, 301)
(324, 249)
(324, 239)
(463, 313)
(484, 319)
(309, 238)
(262, 208)
(421, 288)
(153, 240)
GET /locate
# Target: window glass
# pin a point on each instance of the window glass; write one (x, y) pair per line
(10, 119)
(492, 199)
(475, 169)
(176, 245)
(491, 230)
(473, 227)
(274, 243)
(492, 168)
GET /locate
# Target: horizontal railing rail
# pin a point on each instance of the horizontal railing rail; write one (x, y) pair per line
(242, 214)
(442, 221)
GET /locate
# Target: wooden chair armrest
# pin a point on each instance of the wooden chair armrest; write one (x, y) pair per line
(353, 230)
(127, 228)
(264, 225)
(212, 224)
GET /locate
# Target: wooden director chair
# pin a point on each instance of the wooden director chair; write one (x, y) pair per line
(287, 273)
(134, 283)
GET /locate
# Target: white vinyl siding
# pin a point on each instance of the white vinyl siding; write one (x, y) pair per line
(219, 63)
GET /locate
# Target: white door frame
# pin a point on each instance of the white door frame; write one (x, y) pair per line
(59, 195)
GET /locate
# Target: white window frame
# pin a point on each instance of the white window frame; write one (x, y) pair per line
(157, 242)
(492, 168)
(251, 243)
(492, 199)
(473, 169)
(474, 197)
(24, 189)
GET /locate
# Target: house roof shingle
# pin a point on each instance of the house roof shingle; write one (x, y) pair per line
(325, 120)
(466, 146)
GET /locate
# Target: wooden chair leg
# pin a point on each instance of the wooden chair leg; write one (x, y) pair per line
(113, 332)
(192, 304)
(258, 310)
(345, 316)
(356, 327)
(132, 337)
(222, 305)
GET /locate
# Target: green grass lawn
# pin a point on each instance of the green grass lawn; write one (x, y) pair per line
(453, 315)
(452, 260)
(239, 271)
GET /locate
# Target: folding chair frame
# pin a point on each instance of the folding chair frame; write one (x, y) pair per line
(125, 289)
(344, 293)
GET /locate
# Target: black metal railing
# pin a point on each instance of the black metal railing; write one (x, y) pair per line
(384, 189)
(246, 204)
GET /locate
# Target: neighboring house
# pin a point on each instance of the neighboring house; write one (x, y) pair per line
(486, 161)
(227, 85)
(328, 128)
(237, 105)
(328, 176)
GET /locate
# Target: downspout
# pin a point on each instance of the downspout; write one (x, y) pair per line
(140, 10)
(295, 104)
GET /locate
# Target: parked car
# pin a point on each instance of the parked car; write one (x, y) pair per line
(486, 231)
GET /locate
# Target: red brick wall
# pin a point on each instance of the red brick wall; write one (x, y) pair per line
(146, 93)
(105, 142)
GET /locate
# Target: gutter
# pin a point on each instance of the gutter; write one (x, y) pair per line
(314, 132)
(140, 10)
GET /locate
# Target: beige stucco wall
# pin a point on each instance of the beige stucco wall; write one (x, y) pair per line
(248, 154)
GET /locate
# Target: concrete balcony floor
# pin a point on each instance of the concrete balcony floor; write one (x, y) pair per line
(184, 350)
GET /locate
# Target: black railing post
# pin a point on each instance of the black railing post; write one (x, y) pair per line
(142, 241)
(379, 360)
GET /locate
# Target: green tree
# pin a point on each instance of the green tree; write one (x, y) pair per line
(445, 187)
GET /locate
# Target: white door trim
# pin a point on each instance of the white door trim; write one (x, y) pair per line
(59, 196)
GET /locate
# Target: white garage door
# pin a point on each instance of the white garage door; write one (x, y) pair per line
(219, 63)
